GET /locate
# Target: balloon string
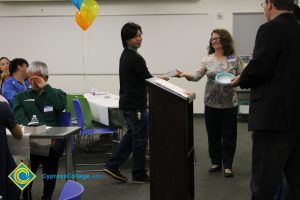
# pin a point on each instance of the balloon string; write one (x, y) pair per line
(84, 41)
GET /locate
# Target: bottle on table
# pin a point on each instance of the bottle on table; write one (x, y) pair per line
(34, 121)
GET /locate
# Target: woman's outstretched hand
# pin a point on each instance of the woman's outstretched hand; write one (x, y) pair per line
(180, 74)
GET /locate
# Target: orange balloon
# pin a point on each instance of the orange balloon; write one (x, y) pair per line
(82, 23)
(89, 10)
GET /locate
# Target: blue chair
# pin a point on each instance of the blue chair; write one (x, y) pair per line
(65, 119)
(71, 191)
(88, 131)
(70, 107)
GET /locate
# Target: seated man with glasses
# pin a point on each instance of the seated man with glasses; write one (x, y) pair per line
(46, 103)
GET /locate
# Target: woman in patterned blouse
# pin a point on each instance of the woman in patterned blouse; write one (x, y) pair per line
(220, 100)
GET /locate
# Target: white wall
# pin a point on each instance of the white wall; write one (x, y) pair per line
(80, 83)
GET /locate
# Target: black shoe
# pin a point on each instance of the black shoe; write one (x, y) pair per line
(143, 179)
(27, 194)
(115, 174)
(46, 198)
(228, 174)
(215, 168)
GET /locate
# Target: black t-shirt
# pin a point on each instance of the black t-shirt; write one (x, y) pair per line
(132, 73)
(7, 120)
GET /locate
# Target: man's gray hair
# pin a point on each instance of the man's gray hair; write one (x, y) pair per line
(38, 66)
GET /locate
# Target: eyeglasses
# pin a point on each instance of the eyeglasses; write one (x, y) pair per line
(263, 4)
(214, 39)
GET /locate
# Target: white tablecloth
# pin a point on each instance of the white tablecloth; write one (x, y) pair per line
(20, 149)
(100, 104)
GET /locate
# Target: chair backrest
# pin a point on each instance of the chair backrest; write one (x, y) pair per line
(70, 107)
(71, 191)
(86, 113)
(65, 119)
(79, 113)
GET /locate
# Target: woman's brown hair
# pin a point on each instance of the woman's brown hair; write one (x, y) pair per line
(225, 40)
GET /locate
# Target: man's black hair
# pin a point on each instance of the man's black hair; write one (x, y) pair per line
(297, 11)
(129, 31)
(13, 65)
(283, 4)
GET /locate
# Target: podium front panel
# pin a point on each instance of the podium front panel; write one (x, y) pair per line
(171, 146)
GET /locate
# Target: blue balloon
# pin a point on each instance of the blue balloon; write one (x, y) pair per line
(77, 3)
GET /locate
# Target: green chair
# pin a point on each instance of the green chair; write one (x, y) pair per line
(70, 107)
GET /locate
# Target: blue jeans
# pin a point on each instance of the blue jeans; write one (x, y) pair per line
(135, 141)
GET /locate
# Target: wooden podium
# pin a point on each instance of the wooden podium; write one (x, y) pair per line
(171, 141)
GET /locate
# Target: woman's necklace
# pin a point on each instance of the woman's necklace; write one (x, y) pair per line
(219, 59)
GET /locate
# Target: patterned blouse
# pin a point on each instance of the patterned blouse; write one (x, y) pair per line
(218, 95)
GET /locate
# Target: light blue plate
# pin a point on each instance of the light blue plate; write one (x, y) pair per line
(224, 78)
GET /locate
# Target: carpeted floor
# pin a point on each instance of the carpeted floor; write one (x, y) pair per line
(207, 186)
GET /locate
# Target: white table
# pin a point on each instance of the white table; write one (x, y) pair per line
(20, 149)
(65, 133)
(101, 105)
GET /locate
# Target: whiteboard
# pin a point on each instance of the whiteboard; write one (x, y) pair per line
(245, 26)
(54, 40)
(169, 42)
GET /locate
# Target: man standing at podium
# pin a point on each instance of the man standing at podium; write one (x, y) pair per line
(133, 102)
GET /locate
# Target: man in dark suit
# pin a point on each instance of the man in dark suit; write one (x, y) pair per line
(274, 116)
(297, 12)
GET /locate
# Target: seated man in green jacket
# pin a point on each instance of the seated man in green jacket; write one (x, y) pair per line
(46, 103)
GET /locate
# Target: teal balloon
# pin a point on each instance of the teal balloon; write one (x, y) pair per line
(77, 3)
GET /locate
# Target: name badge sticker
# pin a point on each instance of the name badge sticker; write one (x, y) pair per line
(231, 59)
(48, 108)
(29, 100)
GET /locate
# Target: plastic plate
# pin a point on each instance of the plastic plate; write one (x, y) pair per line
(224, 78)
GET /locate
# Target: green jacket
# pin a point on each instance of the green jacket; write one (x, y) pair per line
(46, 106)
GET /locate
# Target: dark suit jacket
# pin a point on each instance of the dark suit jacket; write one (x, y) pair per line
(274, 76)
